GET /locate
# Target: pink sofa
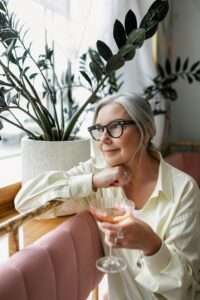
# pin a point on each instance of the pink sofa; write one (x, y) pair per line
(59, 266)
(188, 162)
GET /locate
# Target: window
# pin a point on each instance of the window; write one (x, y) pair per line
(70, 26)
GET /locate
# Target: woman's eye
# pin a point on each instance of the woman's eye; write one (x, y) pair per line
(115, 126)
(99, 129)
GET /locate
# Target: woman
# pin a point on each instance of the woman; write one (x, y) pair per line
(160, 235)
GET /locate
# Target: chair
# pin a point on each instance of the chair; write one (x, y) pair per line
(188, 162)
(58, 266)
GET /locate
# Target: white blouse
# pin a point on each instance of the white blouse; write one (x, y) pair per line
(172, 211)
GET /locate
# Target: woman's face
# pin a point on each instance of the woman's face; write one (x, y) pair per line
(117, 151)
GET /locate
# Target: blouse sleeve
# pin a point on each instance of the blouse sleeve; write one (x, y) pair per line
(63, 185)
(174, 270)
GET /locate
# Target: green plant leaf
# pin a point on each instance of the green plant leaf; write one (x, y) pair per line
(137, 37)
(151, 32)
(32, 76)
(178, 64)
(128, 51)
(48, 53)
(130, 22)
(3, 6)
(161, 70)
(186, 63)
(96, 71)
(169, 93)
(25, 70)
(197, 77)
(3, 19)
(3, 83)
(95, 57)
(194, 66)
(189, 78)
(168, 66)
(9, 51)
(115, 63)
(119, 34)
(104, 50)
(170, 80)
(87, 78)
(24, 56)
(156, 13)
(158, 10)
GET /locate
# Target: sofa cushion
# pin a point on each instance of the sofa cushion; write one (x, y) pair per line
(59, 266)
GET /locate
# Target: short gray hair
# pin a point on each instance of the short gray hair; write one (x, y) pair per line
(139, 110)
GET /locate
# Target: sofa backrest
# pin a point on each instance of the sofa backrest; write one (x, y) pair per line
(59, 266)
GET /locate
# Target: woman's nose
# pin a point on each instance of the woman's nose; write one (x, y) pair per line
(105, 136)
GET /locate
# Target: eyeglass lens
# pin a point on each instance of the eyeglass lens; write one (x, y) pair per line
(114, 129)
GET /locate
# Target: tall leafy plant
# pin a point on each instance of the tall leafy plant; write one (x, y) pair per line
(167, 75)
(20, 69)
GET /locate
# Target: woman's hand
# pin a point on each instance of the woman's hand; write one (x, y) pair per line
(131, 233)
(114, 176)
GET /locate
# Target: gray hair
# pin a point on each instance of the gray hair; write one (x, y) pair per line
(139, 110)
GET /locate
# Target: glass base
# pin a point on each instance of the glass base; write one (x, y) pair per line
(111, 264)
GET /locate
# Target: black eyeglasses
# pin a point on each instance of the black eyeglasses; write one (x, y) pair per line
(115, 129)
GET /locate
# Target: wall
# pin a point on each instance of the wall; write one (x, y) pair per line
(183, 29)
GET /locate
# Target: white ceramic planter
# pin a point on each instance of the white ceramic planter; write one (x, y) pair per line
(41, 156)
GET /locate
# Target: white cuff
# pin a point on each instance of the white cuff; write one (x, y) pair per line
(159, 260)
(81, 185)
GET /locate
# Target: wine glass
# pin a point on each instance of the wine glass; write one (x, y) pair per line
(108, 210)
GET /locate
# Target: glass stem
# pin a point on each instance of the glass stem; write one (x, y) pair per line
(110, 251)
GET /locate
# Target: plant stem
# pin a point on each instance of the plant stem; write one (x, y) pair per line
(46, 82)
(75, 117)
(19, 126)
(25, 112)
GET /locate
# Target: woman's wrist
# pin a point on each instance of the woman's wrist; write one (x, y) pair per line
(154, 246)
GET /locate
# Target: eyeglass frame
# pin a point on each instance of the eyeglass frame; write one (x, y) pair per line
(123, 123)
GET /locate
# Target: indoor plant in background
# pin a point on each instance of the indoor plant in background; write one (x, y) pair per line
(21, 73)
(162, 92)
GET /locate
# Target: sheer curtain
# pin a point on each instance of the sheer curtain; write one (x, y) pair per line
(81, 23)
(74, 25)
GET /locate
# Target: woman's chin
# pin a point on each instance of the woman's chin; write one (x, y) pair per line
(112, 162)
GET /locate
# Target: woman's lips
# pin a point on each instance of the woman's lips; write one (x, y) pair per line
(107, 151)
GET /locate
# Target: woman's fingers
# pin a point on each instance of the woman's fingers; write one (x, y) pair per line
(113, 234)
(114, 176)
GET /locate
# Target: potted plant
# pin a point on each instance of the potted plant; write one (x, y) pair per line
(162, 91)
(20, 72)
